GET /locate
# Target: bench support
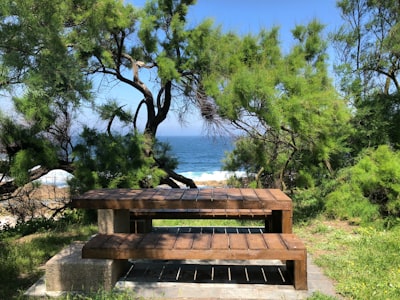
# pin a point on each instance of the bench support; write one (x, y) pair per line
(279, 221)
(113, 221)
(68, 272)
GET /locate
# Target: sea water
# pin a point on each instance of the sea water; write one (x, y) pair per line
(199, 158)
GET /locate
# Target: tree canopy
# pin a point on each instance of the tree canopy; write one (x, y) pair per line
(295, 122)
(52, 51)
(369, 63)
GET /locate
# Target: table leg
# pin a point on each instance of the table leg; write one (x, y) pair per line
(113, 221)
(141, 225)
(287, 221)
(280, 222)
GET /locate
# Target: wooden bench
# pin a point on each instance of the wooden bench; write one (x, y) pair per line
(204, 246)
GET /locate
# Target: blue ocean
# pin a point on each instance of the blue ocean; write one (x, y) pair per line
(200, 157)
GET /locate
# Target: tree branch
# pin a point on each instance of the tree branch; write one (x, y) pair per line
(143, 102)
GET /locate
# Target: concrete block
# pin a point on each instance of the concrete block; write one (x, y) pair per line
(67, 271)
(113, 221)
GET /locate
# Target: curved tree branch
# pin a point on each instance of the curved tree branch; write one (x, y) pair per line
(9, 187)
(187, 181)
(143, 102)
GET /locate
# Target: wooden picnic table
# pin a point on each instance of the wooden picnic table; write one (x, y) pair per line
(117, 241)
(271, 205)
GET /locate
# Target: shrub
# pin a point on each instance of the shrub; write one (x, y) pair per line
(368, 190)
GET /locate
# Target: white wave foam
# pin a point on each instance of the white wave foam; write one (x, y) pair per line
(212, 175)
(59, 177)
(56, 177)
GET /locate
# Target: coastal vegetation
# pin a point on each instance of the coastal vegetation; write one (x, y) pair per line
(323, 129)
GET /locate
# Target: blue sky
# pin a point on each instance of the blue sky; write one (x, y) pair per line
(242, 17)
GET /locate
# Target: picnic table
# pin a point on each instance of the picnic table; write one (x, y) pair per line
(117, 208)
(271, 205)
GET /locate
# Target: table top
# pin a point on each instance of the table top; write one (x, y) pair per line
(224, 198)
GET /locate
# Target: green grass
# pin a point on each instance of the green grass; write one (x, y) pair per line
(364, 262)
(103, 295)
(22, 253)
(199, 223)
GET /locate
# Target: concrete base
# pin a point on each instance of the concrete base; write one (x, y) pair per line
(67, 271)
(318, 282)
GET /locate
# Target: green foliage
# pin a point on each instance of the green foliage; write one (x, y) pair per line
(368, 76)
(307, 204)
(26, 148)
(376, 122)
(22, 254)
(167, 69)
(25, 160)
(295, 125)
(50, 86)
(162, 153)
(368, 190)
(119, 161)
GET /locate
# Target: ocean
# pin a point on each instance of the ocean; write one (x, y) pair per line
(199, 157)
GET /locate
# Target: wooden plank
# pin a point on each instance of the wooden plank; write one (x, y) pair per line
(220, 241)
(256, 241)
(184, 241)
(98, 241)
(234, 194)
(146, 194)
(279, 195)
(131, 241)
(274, 241)
(240, 244)
(205, 199)
(205, 194)
(220, 194)
(219, 198)
(167, 241)
(149, 241)
(190, 194)
(175, 194)
(201, 241)
(115, 194)
(264, 195)
(274, 199)
(237, 241)
(292, 242)
(249, 195)
(101, 246)
(161, 194)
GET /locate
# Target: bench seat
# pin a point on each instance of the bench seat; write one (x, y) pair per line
(203, 246)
